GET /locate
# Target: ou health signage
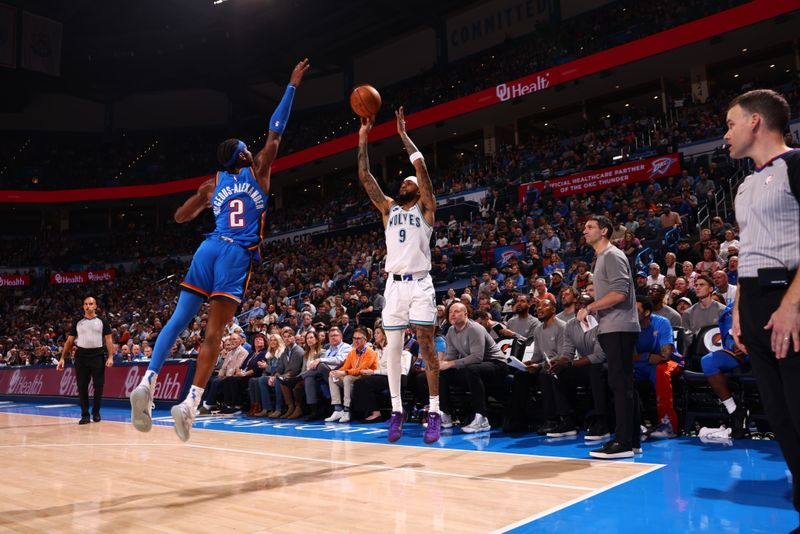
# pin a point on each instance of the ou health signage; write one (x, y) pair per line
(16, 280)
(627, 173)
(82, 277)
(119, 381)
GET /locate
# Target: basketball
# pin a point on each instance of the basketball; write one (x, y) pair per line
(365, 101)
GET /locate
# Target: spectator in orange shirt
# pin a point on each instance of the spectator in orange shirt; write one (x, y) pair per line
(360, 358)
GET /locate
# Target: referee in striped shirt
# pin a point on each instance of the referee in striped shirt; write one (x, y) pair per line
(89, 334)
(766, 314)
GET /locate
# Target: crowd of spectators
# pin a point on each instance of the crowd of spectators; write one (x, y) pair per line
(45, 161)
(339, 280)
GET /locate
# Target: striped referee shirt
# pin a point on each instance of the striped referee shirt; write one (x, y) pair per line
(89, 334)
(768, 212)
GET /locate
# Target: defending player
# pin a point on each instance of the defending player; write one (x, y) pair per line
(410, 297)
(220, 268)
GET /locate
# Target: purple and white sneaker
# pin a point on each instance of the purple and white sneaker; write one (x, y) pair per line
(396, 426)
(433, 430)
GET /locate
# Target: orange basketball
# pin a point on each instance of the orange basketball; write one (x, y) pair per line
(365, 101)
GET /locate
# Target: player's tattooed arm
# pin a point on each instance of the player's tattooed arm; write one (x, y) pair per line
(380, 200)
(196, 203)
(427, 198)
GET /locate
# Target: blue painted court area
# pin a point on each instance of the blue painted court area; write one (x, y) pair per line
(741, 486)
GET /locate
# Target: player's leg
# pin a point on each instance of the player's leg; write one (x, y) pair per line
(395, 321)
(714, 365)
(194, 291)
(231, 270)
(663, 374)
(422, 315)
(220, 312)
(188, 305)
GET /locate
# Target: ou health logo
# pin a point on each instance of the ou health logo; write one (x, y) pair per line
(661, 166)
(131, 380)
(502, 92)
(66, 381)
(15, 378)
(58, 278)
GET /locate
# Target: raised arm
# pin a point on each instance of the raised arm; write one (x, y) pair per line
(262, 162)
(381, 201)
(196, 203)
(427, 199)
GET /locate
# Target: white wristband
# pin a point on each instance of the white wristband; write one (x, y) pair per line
(415, 156)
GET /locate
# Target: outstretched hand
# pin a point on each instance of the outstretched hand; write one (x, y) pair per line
(401, 121)
(366, 125)
(298, 72)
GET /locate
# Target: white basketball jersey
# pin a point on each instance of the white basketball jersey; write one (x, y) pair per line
(408, 241)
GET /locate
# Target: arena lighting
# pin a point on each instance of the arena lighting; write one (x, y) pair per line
(218, 2)
(617, 158)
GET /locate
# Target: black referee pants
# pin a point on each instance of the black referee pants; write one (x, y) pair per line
(619, 348)
(90, 368)
(778, 380)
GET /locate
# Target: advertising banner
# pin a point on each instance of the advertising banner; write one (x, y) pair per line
(83, 277)
(15, 280)
(119, 381)
(627, 173)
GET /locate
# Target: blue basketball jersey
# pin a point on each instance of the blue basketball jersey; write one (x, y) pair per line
(239, 207)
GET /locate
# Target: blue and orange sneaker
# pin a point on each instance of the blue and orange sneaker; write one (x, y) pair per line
(433, 430)
(396, 426)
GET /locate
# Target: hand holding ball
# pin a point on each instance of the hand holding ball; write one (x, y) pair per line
(365, 101)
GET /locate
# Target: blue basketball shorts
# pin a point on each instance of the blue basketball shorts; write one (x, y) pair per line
(219, 269)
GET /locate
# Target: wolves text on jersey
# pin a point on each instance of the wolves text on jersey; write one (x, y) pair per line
(402, 218)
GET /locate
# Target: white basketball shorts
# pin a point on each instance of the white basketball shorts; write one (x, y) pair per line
(409, 302)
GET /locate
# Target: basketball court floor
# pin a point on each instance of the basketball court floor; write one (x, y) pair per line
(257, 475)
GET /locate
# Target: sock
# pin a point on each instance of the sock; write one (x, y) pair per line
(347, 409)
(188, 305)
(434, 404)
(729, 404)
(194, 396)
(337, 407)
(149, 380)
(394, 353)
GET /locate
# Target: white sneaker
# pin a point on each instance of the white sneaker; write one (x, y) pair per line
(345, 418)
(447, 420)
(183, 414)
(479, 424)
(335, 416)
(142, 408)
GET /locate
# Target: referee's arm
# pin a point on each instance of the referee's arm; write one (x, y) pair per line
(67, 350)
(109, 350)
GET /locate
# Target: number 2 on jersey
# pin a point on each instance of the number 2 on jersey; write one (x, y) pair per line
(402, 235)
(236, 215)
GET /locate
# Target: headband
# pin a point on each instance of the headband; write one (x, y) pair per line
(240, 147)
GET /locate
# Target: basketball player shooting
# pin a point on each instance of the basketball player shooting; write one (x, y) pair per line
(221, 266)
(410, 297)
